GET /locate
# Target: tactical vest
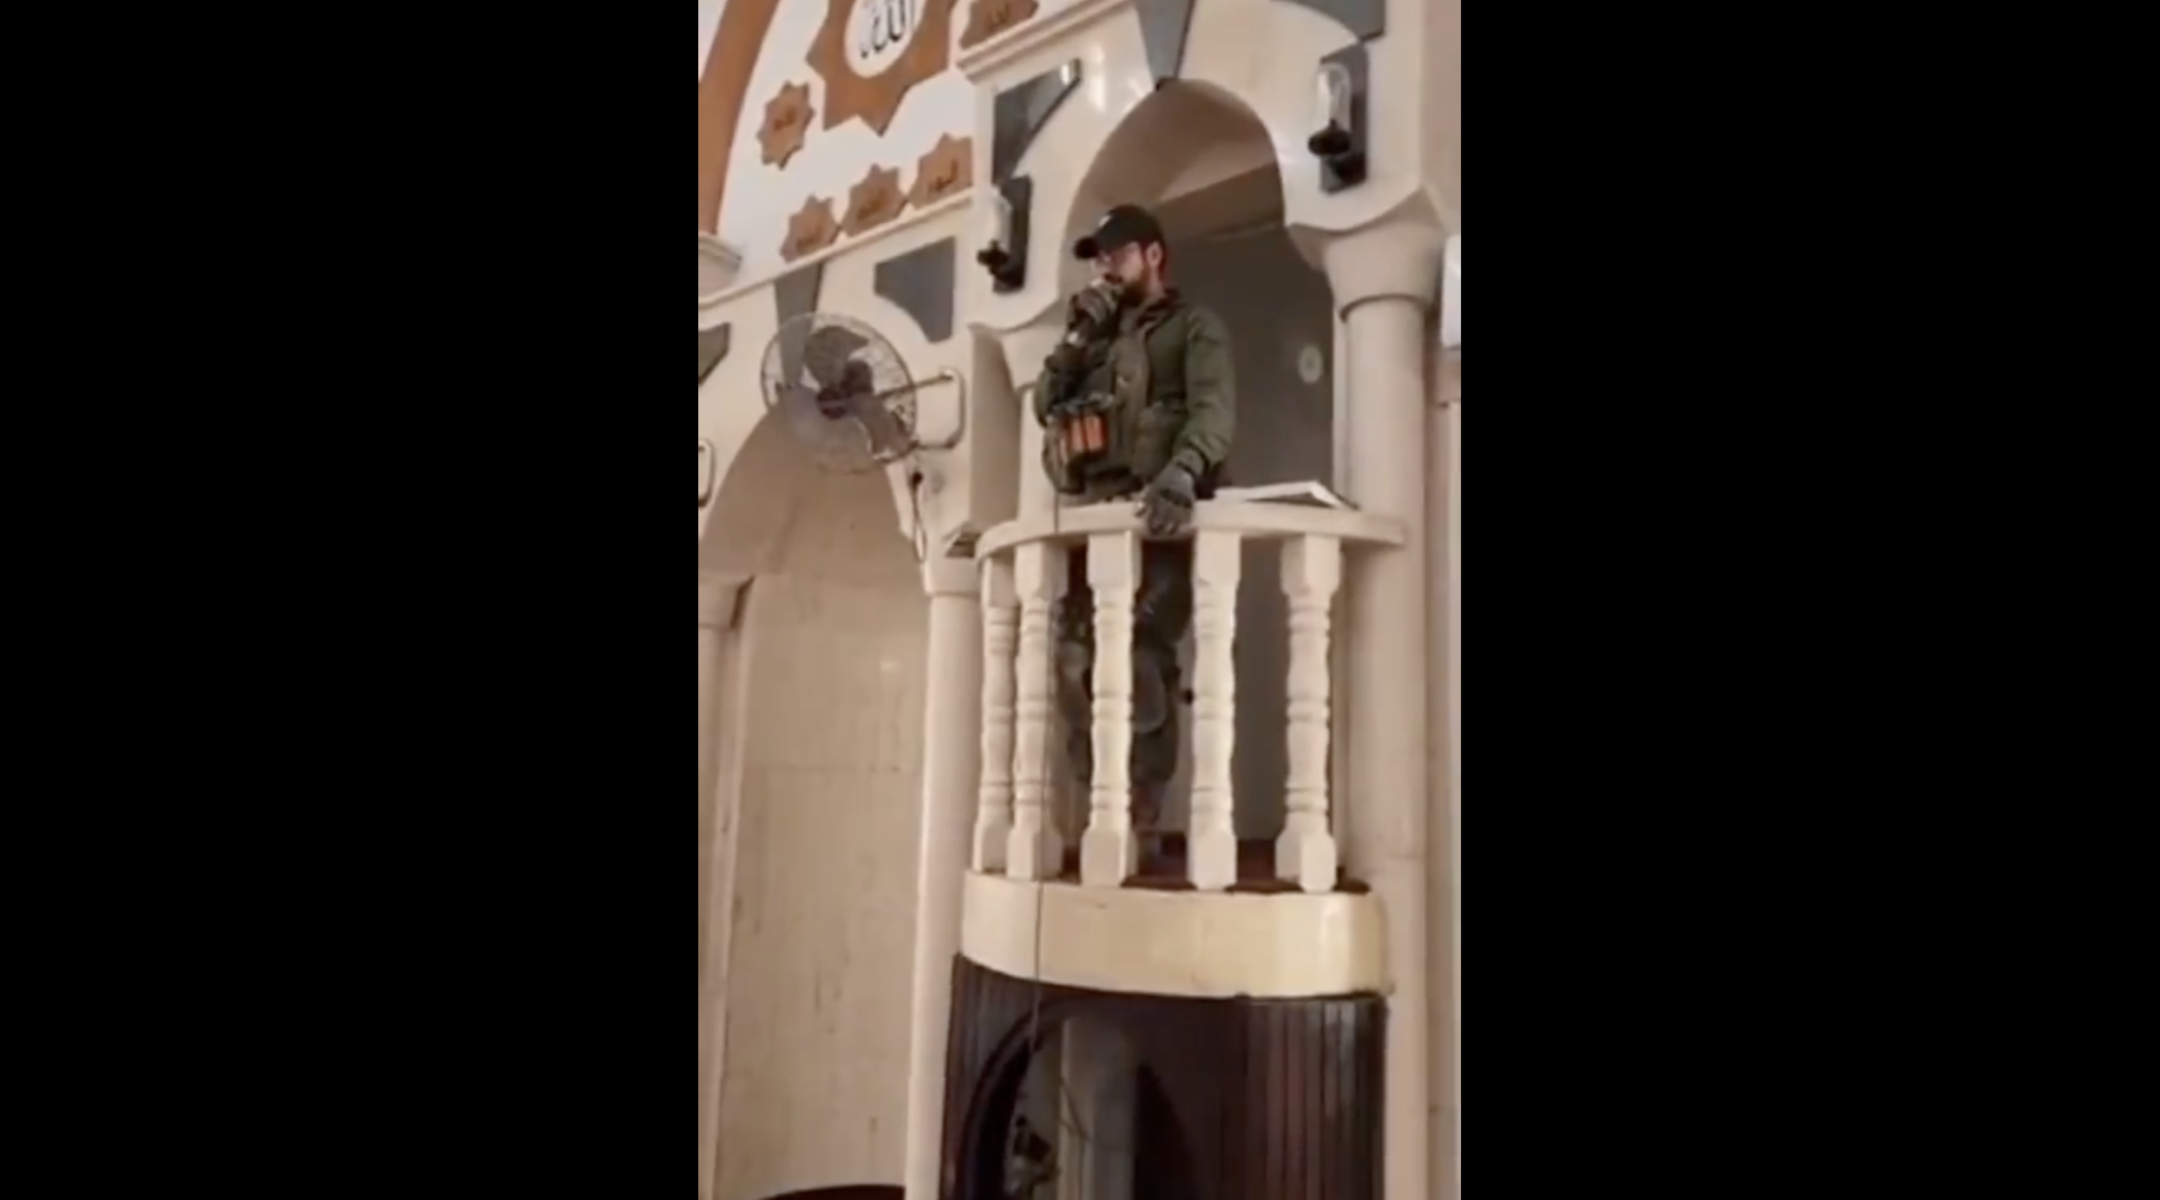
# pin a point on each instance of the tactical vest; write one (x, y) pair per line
(1141, 434)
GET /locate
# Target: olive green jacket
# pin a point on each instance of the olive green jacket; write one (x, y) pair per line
(1167, 382)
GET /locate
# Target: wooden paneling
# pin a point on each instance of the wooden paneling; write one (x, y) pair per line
(1274, 1099)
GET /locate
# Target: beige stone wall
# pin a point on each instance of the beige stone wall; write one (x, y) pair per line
(817, 910)
(821, 907)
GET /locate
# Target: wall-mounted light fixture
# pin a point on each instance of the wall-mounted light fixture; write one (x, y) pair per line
(1005, 257)
(1017, 115)
(1331, 94)
(1339, 111)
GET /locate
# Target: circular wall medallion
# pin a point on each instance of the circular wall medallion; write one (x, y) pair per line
(1311, 363)
(879, 33)
(871, 53)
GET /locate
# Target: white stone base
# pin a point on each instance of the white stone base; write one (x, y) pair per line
(1201, 944)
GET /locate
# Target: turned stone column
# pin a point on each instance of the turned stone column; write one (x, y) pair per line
(952, 712)
(1025, 349)
(1453, 781)
(1000, 717)
(1109, 853)
(1384, 279)
(1444, 544)
(708, 679)
(719, 729)
(1039, 572)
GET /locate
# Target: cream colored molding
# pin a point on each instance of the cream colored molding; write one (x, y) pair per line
(1260, 520)
(1202, 944)
(717, 265)
(1448, 393)
(914, 219)
(1053, 309)
(1451, 297)
(984, 59)
(718, 599)
(944, 576)
(1401, 255)
(1020, 333)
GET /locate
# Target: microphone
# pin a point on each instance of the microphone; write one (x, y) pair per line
(1083, 321)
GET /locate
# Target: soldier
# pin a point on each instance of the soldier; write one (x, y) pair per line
(1155, 373)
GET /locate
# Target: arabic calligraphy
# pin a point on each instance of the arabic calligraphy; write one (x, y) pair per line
(880, 31)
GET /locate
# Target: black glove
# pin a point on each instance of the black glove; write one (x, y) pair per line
(1092, 309)
(1167, 504)
(1067, 359)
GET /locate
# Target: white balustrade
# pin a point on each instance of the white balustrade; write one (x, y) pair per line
(1024, 565)
(994, 799)
(1306, 852)
(1211, 834)
(1108, 851)
(1033, 850)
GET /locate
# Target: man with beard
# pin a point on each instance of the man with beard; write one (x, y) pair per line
(1146, 378)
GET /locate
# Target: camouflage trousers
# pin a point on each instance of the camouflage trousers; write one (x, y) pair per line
(1162, 612)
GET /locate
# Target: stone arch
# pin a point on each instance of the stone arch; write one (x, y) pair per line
(722, 88)
(765, 480)
(825, 815)
(987, 1099)
(1185, 137)
(1206, 161)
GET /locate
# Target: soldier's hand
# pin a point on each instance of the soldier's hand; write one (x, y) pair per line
(1092, 307)
(1067, 359)
(1167, 504)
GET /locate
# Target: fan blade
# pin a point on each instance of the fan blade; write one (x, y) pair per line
(887, 437)
(809, 423)
(827, 353)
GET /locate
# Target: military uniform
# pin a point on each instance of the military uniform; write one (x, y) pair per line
(1162, 380)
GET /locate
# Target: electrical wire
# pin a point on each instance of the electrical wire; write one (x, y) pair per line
(1036, 988)
(918, 536)
(1068, 1118)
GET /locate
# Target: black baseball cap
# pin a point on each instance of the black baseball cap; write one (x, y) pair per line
(1120, 227)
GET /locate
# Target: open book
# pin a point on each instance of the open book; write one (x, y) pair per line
(1310, 494)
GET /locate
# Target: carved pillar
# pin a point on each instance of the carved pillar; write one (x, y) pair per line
(1211, 831)
(1444, 545)
(1306, 852)
(994, 799)
(720, 724)
(951, 711)
(1033, 850)
(1025, 349)
(1384, 278)
(1108, 851)
(1446, 538)
(708, 635)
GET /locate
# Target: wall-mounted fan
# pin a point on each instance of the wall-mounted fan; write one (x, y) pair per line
(845, 393)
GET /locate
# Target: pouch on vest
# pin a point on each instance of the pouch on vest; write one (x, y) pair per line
(1085, 443)
(1145, 430)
